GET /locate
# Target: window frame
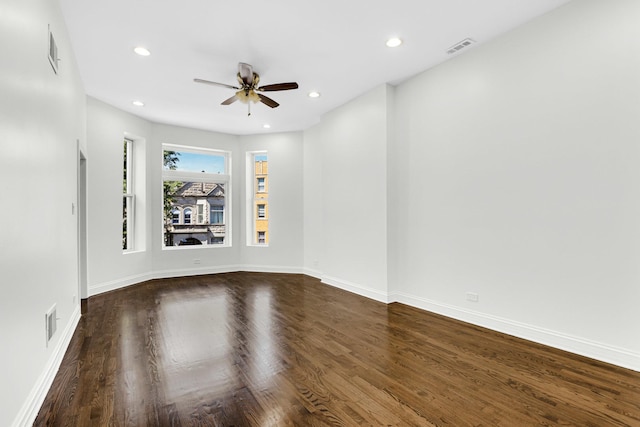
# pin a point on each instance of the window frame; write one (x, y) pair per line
(257, 193)
(188, 176)
(128, 197)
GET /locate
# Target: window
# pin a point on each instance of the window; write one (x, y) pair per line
(257, 195)
(217, 214)
(200, 207)
(128, 198)
(196, 182)
(175, 216)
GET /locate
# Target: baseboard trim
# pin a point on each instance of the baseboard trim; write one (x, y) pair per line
(272, 269)
(118, 284)
(29, 411)
(355, 288)
(313, 273)
(591, 349)
(183, 272)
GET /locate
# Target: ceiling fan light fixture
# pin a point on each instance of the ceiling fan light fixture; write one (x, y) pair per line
(314, 94)
(266, 126)
(247, 96)
(138, 103)
(142, 51)
(394, 42)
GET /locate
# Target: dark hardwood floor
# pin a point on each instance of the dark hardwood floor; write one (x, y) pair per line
(253, 349)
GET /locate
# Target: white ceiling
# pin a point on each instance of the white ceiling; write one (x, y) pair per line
(334, 47)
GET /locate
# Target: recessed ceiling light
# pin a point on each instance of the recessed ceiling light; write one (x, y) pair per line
(142, 51)
(394, 42)
(266, 126)
(138, 103)
(314, 94)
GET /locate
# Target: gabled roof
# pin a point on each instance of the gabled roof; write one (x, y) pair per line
(200, 189)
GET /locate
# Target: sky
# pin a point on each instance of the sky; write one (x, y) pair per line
(196, 162)
(209, 163)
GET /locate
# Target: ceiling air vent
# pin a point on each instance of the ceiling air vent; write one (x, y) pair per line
(459, 46)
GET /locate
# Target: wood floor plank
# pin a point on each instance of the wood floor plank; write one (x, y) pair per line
(258, 349)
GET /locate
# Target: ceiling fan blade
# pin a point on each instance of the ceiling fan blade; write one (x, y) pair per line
(278, 86)
(230, 100)
(268, 101)
(215, 83)
(246, 73)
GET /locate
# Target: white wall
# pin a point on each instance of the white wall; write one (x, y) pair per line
(523, 182)
(285, 250)
(349, 189)
(212, 259)
(41, 123)
(108, 267)
(312, 201)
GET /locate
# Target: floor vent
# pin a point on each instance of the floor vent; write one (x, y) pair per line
(459, 46)
(51, 323)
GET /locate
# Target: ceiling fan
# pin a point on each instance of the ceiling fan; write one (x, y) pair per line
(247, 92)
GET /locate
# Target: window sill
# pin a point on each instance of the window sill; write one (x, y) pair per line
(134, 251)
(191, 247)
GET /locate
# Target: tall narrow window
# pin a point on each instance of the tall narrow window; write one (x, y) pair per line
(196, 182)
(200, 219)
(258, 195)
(128, 198)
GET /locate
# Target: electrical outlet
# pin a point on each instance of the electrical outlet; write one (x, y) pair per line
(472, 296)
(196, 261)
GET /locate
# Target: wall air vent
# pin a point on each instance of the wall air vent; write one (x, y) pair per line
(50, 323)
(459, 46)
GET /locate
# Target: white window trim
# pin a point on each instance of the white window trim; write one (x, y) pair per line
(173, 175)
(129, 198)
(251, 211)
